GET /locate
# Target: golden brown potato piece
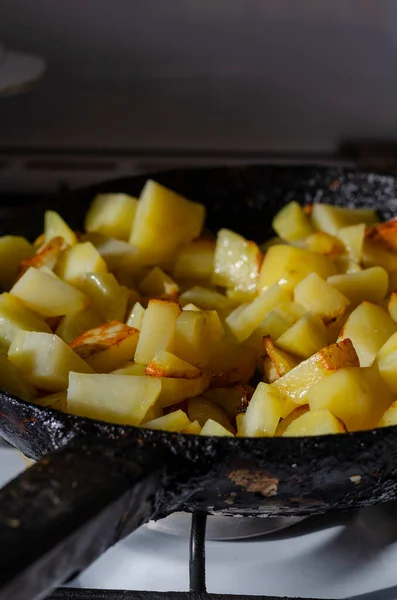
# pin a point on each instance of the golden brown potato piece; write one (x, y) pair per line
(166, 364)
(46, 256)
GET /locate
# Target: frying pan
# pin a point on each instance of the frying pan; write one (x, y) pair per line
(95, 482)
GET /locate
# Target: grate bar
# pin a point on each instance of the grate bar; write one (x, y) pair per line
(197, 554)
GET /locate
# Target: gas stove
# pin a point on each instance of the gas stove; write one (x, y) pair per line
(344, 556)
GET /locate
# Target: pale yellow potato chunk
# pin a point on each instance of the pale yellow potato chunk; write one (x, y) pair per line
(130, 368)
(46, 256)
(158, 284)
(319, 297)
(201, 409)
(107, 296)
(55, 226)
(57, 401)
(324, 243)
(392, 306)
(274, 325)
(79, 260)
(291, 223)
(376, 254)
(13, 251)
(14, 382)
(166, 364)
(296, 384)
(263, 413)
(107, 347)
(175, 422)
(314, 422)
(330, 219)
(291, 311)
(357, 396)
(71, 327)
(205, 299)
(192, 429)
(175, 389)
(368, 327)
(237, 262)
(369, 284)
(282, 361)
(233, 399)
(158, 329)
(117, 254)
(196, 260)
(191, 306)
(243, 322)
(197, 333)
(14, 317)
(390, 416)
(164, 223)
(387, 366)
(45, 360)
(292, 416)
(352, 237)
(112, 215)
(136, 315)
(305, 337)
(288, 265)
(388, 347)
(214, 428)
(48, 295)
(118, 399)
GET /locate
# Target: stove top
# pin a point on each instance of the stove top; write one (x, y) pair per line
(344, 556)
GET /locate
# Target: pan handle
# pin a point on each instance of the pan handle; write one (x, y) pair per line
(61, 514)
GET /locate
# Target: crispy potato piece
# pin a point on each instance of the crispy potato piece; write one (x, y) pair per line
(263, 413)
(158, 284)
(305, 337)
(195, 260)
(201, 409)
(175, 421)
(369, 284)
(77, 261)
(107, 347)
(385, 233)
(14, 317)
(352, 237)
(319, 297)
(108, 297)
(368, 327)
(55, 226)
(13, 251)
(291, 223)
(72, 326)
(175, 389)
(270, 371)
(233, 399)
(205, 299)
(288, 265)
(324, 243)
(136, 315)
(237, 262)
(14, 382)
(165, 364)
(164, 223)
(284, 423)
(296, 383)
(214, 428)
(330, 219)
(196, 335)
(112, 215)
(357, 396)
(114, 398)
(59, 298)
(390, 416)
(283, 361)
(158, 329)
(46, 256)
(314, 422)
(45, 360)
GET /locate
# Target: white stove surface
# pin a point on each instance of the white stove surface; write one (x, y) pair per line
(349, 557)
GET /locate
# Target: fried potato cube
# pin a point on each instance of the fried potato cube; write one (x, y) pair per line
(108, 297)
(291, 311)
(158, 284)
(55, 226)
(274, 325)
(292, 416)
(237, 262)
(107, 347)
(387, 366)
(291, 223)
(392, 306)
(305, 337)
(369, 284)
(297, 382)
(136, 315)
(356, 396)
(241, 296)
(270, 372)
(352, 238)
(231, 363)
(388, 347)
(319, 297)
(232, 399)
(385, 233)
(314, 422)
(57, 401)
(45, 360)
(158, 329)
(130, 368)
(288, 265)
(244, 321)
(324, 243)
(14, 317)
(263, 413)
(164, 223)
(117, 254)
(192, 429)
(48, 295)
(118, 399)
(14, 382)
(196, 260)
(390, 416)
(13, 251)
(112, 215)
(239, 422)
(191, 306)
(205, 299)
(166, 364)
(215, 429)
(201, 409)
(175, 422)
(46, 256)
(282, 360)
(368, 327)
(176, 389)
(196, 336)
(330, 219)
(376, 254)
(71, 327)
(79, 260)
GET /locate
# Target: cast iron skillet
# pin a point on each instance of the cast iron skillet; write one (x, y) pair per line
(95, 482)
